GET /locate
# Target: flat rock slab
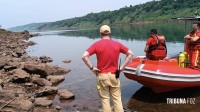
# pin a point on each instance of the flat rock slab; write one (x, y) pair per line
(41, 82)
(55, 79)
(67, 61)
(46, 91)
(42, 69)
(65, 94)
(25, 104)
(43, 102)
(7, 94)
(20, 76)
(60, 70)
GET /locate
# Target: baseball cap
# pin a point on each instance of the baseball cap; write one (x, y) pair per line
(105, 29)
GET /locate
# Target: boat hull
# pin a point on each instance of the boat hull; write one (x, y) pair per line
(160, 86)
(162, 77)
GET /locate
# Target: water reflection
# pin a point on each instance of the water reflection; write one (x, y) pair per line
(148, 101)
(173, 32)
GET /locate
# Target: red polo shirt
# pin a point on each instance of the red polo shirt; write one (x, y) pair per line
(107, 52)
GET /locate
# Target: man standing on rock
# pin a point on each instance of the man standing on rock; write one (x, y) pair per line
(107, 52)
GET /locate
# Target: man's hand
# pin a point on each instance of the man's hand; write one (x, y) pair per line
(95, 70)
(146, 49)
(187, 37)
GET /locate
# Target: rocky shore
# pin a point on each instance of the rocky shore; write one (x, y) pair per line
(26, 81)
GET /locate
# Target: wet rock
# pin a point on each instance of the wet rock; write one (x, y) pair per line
(45, 59)
(34, 35)
(42, 69)
(1, 84)
(34, 58)
(43, 102)
(67, 61)
(16, 60)
(46, 91)
(7, 94)
(44, 109)
(24, 58)
(11, 46)
(60, 71)
(20, 76)
(65, 94)
(11, 65)
(20, 52)
(31, 43)
(9, 68)
(25, 32)
(29, 84)
(35, 76)
(2, 63)
(41, 81)
(1, 81)
(25, 105)
(32, 99)
(58, 108)
(13, 54)
(55, 79)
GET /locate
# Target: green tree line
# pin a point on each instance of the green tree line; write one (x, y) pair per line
(151, 11)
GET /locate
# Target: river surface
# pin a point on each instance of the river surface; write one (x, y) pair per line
(70, 44)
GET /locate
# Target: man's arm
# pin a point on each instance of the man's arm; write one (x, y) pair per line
(129, 56)
(85, 58)
(187, 37)
(148, 43)
(146, 48)
(192, 39)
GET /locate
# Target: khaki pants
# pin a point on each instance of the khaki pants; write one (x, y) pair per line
(108, 85)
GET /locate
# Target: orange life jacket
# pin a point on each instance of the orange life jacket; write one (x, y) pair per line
(157, 50)
(194, 45)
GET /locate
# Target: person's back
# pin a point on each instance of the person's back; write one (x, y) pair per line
(107, 52)
(156, 46)
(108, 83)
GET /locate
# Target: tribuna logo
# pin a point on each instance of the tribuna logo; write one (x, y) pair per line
(180, 100)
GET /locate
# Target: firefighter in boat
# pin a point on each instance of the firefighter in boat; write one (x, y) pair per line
(155, 46)
(193, 45)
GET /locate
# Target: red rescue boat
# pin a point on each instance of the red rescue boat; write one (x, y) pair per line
(162, 75)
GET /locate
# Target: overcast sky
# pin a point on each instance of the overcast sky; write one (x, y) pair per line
(20, 12)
